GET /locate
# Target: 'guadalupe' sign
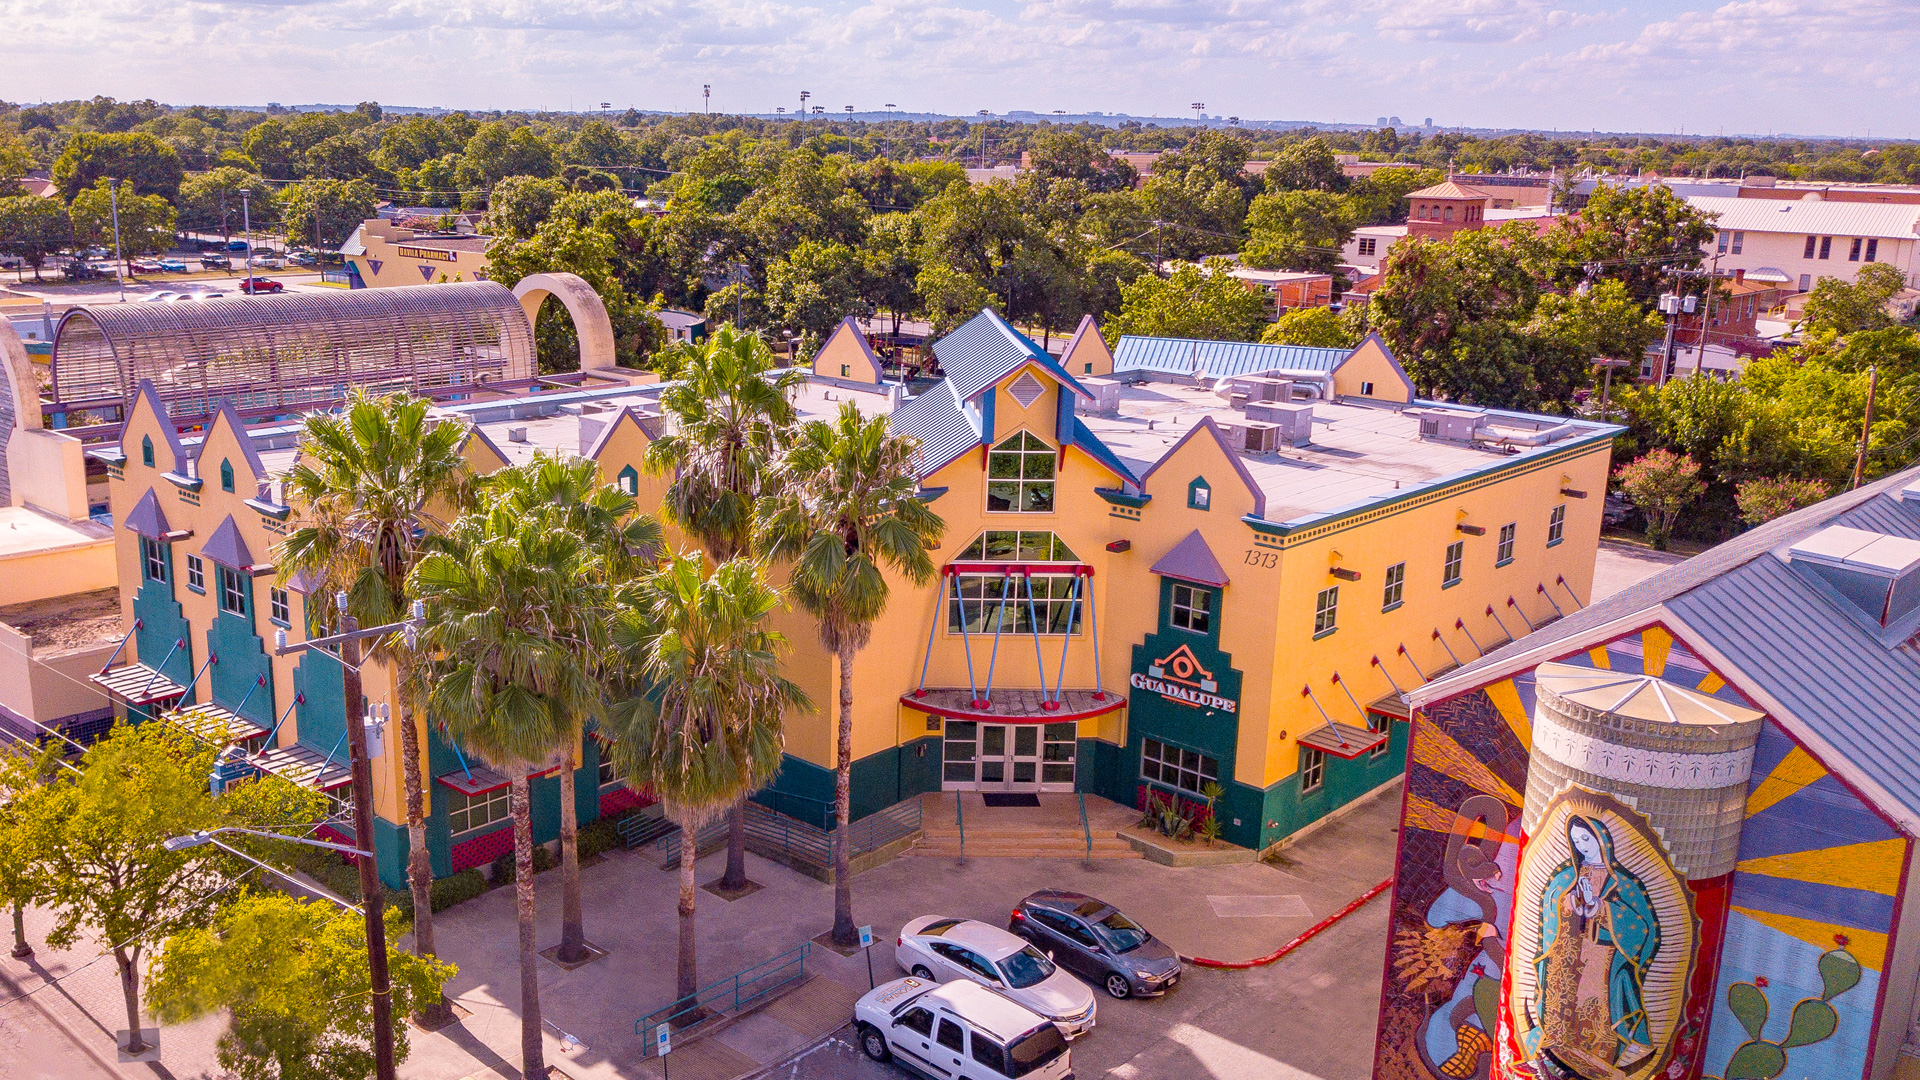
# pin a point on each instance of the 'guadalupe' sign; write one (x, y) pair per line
(1179, 677)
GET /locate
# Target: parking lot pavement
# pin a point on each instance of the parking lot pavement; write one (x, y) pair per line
(1308, 1017)
(1617, 566)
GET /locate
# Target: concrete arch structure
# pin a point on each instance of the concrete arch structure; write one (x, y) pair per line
(584, 306)
(19, 399)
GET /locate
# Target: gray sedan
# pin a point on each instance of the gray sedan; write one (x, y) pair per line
(1092, 939)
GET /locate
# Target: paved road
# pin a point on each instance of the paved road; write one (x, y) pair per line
(1618, 566)
(32, 1048)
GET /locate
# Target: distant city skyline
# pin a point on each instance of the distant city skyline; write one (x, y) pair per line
(1833, 68)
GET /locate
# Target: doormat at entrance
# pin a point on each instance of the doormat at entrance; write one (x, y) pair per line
(1006, 801)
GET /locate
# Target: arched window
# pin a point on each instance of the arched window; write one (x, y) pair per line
(1020, 476)
(1016, 604)
(226, 475)
(146, 451)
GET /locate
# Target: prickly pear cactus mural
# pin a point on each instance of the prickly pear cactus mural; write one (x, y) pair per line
(1812, 1020)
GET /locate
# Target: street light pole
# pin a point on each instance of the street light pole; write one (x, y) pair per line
(246, 226)
(119, 261)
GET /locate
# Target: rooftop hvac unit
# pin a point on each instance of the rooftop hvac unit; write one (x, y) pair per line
(1260, 437)
(1294, 422)
(1106, 395)
(1448, 424)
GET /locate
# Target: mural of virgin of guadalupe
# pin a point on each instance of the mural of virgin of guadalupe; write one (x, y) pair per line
(1599, 935)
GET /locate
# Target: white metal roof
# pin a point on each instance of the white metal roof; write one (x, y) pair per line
(1813, 216)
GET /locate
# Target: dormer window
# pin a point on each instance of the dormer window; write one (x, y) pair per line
(146, 451)
(226, 475)
(1020, 476)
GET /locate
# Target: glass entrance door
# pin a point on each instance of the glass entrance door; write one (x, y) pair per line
(981, 756)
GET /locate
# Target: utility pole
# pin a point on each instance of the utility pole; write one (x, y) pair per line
(1706, 319)
(1866, 428)
(371, 897)
(804, 95)
(120, 262)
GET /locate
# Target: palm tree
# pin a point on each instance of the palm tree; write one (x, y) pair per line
(369, 483)
(505, 595)
(848, 513)
(564, 492)
(732, 411)
(703, 720)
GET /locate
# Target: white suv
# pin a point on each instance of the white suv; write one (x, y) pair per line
(959, 1031)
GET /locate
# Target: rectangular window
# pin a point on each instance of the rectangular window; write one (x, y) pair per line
(1313, 769)
(1722, 248)
(1192, 609)
(1853, 251)
(1557, 525)
(1188, 770)
(610, 774)
(1326, 611)
(1739, 239)
(1873, 249)
(1450, 573)
(1367, 245)
(196, 574)
(1826, 246)
(1396, 588)
(1020, 476)
(1014, 604)
(1811, 241)
(233, 590)
(153, 559)
(279, 609)
(1806, 282)
(1503, 554)
(466, 813)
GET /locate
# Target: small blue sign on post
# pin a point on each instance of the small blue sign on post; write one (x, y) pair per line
(866, 949)
(663, 1040)
(866, 937)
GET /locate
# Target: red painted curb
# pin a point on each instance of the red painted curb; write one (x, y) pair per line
(1305, 935)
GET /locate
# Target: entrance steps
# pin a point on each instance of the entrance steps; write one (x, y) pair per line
(1052, 830)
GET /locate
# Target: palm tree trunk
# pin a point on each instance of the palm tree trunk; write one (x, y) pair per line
(688, 986)
(130, 987)
(573, 931)
(736, 875)
(419, 860)
(845, 934)
(532, 1054)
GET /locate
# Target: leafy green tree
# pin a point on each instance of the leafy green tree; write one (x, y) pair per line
(592, 235)
(506, 596)
(1661, 484)
(345, 157)
(733, 411)
(146, 221)
(326, 212)
(1761, 500)
(518, 205)
(96, 838)
(1445, 304)
(16, 157)
(1381, 198)
(1193, 302)
(1305, 165)
(702, 727)
(1638, 236)
(1846, 307)
(151, 166)
(1319, 327)
(210, 201)
(847, 514)
(889, 265)
(1068, 155)
(1603, 321)
(293, 975)
(372, 481)
(814, 286)
(34, 228)
(1297, 230)
(498, 150)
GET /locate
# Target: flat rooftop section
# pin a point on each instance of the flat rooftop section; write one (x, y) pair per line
(60, 623)
(1359, 453)
(26, 532)
(817, 399)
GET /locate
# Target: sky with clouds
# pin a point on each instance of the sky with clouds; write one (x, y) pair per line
(1748, 66)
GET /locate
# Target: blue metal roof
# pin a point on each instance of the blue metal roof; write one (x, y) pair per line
(946, 429)
(986, 349)
(1220, 359)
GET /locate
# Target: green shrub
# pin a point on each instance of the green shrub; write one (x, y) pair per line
(457, 889)
(503, 869)
(602, 835)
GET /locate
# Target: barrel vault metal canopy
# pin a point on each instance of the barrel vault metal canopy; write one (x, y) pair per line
(1639, 697)
(291, 351)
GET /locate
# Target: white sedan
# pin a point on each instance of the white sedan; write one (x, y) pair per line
(942, 949)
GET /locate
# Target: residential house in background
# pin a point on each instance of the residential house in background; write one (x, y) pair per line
(1800, 241)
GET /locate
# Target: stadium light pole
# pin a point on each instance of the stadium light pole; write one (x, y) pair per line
(246, 226)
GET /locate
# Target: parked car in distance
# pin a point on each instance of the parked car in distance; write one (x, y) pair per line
(160, 298)
(237, 245)
(943, 949)
(267, 262)
(959, 1030)
(142, 266)
(173, 266)
(303, 258)
(216, 262)
(261, 285)
(1092, 939)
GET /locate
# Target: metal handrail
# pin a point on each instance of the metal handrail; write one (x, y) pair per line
(729, 995)
(960, 816)
(1084, 827)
